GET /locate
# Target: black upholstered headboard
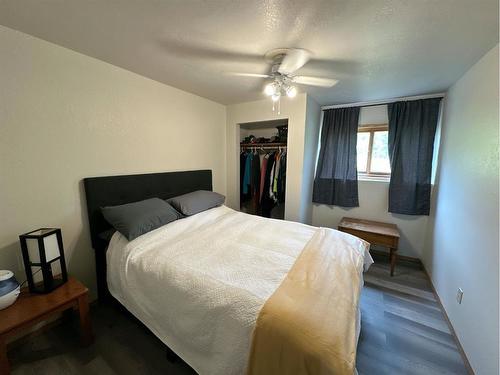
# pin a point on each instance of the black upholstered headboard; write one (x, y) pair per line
(115, 190)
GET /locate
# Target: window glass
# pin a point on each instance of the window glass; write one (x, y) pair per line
(362, 150)
(380, 153)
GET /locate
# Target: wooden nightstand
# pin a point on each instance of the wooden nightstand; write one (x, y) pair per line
(376, 233)
(30, 309)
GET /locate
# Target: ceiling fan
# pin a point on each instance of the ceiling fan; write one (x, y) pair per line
(285, 62)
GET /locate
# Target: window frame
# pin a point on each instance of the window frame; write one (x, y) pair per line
(371, 129)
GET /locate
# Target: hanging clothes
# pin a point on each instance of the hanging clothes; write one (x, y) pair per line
(282, 178)
(255, 180)
(276, 176)
(243, 158)
(263, 171)
(255, 174)
(263, 180)
(267, 203)
(248, 173)
(271, 177)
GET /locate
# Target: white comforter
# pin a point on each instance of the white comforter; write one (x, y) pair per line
(199, 283)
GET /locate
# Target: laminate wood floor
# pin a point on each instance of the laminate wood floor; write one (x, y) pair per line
(403, 331)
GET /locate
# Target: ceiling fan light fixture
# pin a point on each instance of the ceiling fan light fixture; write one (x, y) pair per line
(291, 91)
(270, 89)
(284, 63)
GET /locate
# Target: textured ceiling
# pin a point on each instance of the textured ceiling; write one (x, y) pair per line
(376, 48)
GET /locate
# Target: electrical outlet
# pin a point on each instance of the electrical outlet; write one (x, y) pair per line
(460, 294)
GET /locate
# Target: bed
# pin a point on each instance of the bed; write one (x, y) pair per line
(208, 285)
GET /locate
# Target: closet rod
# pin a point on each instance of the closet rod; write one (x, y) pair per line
(264, 148)
(263, 145)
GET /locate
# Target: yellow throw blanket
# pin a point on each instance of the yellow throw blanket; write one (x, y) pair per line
(309, 324)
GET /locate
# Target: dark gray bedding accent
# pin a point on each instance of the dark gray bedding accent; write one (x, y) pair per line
(197, 201)
(137, 218)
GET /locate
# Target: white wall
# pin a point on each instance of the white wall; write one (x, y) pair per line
(373, 115)
(462, 246)
(295, 111)
(65, 116)
(311, 144)
(374, 202)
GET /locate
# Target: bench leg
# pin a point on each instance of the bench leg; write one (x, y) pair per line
(393, 260)
(4, 360)
(85, 323)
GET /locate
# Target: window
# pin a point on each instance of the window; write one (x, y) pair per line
(372, 151)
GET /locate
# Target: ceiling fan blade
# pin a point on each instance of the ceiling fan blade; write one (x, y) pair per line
(315, 81)
(294, 60)
(254, 75)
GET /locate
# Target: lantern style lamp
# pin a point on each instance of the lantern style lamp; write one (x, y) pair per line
(42, 253)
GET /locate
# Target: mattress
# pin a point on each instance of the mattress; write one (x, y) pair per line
(199, 283)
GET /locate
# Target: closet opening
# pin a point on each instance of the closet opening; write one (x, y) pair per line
(263, 156)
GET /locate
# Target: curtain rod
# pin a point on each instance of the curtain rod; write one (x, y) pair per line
(386, 101)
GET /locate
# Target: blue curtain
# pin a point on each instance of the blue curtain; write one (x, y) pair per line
(412, 128)
(336, 181)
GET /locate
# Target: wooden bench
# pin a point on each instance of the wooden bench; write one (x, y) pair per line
(30, 309)
(374, 232)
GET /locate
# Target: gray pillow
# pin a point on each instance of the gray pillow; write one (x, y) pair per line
(197, 201)
(135, 219)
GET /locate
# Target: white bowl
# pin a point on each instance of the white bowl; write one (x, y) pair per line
(9, 289)
(9, 298)
(6, 275)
